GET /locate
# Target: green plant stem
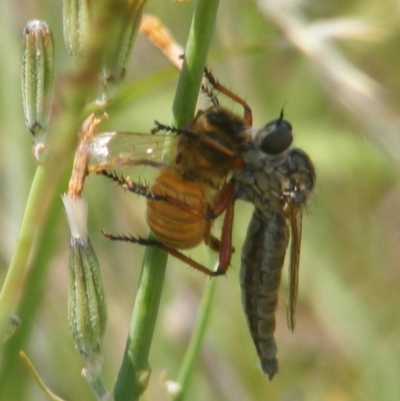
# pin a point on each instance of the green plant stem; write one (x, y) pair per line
(193, 350)
(20, 257)
(134, 373)
(30, 299)
(196, 51)
(39, 200)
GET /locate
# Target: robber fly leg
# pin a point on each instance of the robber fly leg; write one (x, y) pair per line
(224, 245)
(226, 196)
(247, 114)
(165, 248)
(225, 203)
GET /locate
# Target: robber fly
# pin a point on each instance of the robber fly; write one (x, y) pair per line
(192, 190)
(278, 179)
(216, 162)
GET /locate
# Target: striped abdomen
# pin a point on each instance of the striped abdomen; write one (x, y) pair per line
(172, 225)
(263, 255)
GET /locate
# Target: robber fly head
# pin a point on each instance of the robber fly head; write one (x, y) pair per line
(276, 136)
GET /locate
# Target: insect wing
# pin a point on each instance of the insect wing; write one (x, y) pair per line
(295, 226)
(116, 149)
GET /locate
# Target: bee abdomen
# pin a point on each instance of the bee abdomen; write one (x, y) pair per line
(172, 225)
(263, 255)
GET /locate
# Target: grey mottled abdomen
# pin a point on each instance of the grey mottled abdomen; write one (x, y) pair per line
(263, 255)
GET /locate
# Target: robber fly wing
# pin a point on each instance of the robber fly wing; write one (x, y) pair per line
(295, 225)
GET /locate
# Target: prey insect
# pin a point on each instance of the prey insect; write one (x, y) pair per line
(192, 190)
(278, 179)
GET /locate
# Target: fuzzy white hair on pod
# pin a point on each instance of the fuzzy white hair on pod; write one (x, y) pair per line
(77, 210)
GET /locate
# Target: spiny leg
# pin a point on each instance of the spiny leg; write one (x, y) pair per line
(209, 93)
(165, 248)
(205, 139)
(247, 114)
(224, 246)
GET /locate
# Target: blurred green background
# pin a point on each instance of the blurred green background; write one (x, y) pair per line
(334, 66)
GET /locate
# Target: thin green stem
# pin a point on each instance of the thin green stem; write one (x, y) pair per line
(135, 372)
(193, 350)
(40, 198)
(28, 303)
(20, 257)
(199, 39)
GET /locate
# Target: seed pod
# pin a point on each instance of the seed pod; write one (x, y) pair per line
(87, 311)
(76, 25)
(37, 80)
(118, 49)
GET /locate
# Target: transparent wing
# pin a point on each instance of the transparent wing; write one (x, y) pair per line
(295, 225)
(115, 149)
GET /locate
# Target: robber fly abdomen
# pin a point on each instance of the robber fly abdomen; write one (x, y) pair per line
(263, 255)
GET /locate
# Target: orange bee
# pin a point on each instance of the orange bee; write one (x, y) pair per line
(192, 190)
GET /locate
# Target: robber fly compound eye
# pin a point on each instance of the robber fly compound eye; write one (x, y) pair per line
(279, 137)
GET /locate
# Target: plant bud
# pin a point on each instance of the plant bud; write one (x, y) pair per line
(37, 79)
(87, 311)
(118, 50)
(76, 25)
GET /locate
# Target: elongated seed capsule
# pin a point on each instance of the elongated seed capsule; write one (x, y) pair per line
(76, 25)
(87, 311)
(118, 49)
(37, 81)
